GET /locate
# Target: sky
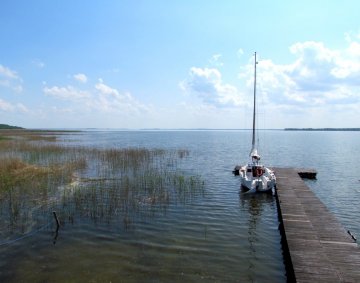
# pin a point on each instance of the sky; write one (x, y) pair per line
(139, 64)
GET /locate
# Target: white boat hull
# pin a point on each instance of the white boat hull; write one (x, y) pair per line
(262, 182)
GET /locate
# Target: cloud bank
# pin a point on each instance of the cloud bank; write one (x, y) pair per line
(317, 77)
(100, 98)
(318, 84)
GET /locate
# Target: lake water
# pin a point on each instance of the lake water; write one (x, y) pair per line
(221, 235)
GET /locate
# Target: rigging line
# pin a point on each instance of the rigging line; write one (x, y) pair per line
(256, 105)
(4, 243)
(254, 110)
(47, 205)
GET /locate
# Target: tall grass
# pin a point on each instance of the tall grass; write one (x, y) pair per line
(39, 176)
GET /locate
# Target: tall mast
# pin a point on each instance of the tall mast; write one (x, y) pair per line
(253, 132)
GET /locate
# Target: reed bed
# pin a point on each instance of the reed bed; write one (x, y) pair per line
(38, 176)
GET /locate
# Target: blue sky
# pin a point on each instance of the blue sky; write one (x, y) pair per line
(179, 64)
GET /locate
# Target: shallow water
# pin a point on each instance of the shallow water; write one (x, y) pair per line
(218, 236)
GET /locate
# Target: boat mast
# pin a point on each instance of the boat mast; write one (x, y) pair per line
(253, 130)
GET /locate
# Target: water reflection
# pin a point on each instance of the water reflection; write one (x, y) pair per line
(256, 204)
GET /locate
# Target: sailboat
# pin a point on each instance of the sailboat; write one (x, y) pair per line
(254, 176)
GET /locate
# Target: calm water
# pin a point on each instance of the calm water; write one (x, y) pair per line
(220, 236)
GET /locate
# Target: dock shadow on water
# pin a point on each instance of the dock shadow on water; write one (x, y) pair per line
(112, 206)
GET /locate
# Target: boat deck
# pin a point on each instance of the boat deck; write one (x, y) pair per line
(318, 247)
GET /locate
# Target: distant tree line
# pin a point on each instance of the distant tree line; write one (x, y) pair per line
(8, 127)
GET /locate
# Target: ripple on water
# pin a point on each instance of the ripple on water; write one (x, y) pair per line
(218, 236)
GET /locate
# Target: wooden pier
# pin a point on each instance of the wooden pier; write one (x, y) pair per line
(317, 247)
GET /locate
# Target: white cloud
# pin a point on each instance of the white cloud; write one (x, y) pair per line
(5, 106)
(215, 60)
(10, 79)
(111, 100)
(22, 108)
(240, 53)
(66, 93)
(38, 63)
(10, 107)
(102, 99)
(81, 78)
(105, 89)
(207, 84)
(320, 79)
(352, 36)
(318, 76)
(8, 73)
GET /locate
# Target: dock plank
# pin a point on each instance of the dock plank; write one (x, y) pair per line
(319, 247)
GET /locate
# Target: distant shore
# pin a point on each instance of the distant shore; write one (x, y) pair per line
(9, 127)
(322, 129)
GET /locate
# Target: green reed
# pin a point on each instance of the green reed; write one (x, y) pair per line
(40, 175)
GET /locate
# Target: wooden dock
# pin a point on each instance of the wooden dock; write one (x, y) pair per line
(317, 247)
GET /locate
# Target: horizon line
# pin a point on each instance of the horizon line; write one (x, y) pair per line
(203, 129)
